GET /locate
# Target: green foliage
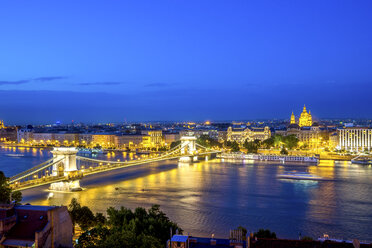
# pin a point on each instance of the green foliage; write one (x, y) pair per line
(16, 197)
(140, 228)
(290, 141)
(243, 229)
(268, 143)
(233, 146)
(6, 194)
(207, 141)
(174, 144)
(284, 151)
(265, 234)
(307, 238)
(279, 141)
(252, 146)
(83, 216)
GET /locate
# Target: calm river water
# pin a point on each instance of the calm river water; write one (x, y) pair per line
(215, 196)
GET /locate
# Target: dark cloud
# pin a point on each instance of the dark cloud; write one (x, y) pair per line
(158, 85)
(26, 81)
(102, 83)
(44, 79)
(15, 82)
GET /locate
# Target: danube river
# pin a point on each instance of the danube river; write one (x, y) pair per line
(213, 197)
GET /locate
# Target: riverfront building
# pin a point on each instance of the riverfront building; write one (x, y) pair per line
(355, 139)
(242, 134)
(8, 133)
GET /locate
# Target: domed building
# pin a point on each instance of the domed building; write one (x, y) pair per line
(305, 120)
(309, 133)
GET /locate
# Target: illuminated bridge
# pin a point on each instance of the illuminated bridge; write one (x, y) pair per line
(65, 169)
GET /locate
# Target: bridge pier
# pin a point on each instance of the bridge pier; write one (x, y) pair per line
(67, 168)
(68, 186)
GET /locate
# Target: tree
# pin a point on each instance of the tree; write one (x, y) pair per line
(83, 216)
(278, 140)
(243, 229)
(290, 141)
(284, 151)
(251, 146)
(265, 234)
(207, 141)
(174, 144)
(268, 143)
(16, 197)
(307, 238)
(235, 147)
(6, 194)
(140, 228)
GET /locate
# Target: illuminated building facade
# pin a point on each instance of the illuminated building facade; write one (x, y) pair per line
(128, 141)
(104, 140)
(171, 137)
(211, 133)
(355, 139)
(152, 138)
(241, 135)
(8, 133)
(311, 137)
(305, 119)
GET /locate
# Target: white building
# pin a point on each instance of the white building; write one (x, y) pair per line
(355, 139)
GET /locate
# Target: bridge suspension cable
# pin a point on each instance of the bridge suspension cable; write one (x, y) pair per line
(170, 152)
(33, 170)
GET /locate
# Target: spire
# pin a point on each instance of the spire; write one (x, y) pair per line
(304, 110)
(293, 119)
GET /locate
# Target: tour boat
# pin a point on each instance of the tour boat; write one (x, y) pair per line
(15, 155)
(300, 176)
(364, 161)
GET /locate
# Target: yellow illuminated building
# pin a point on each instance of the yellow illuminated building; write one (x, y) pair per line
(305, 120)
(2, 125)
(293, 119)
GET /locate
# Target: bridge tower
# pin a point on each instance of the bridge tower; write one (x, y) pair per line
(68, 156)
(67, 167)
(188, 145)
(188, 149)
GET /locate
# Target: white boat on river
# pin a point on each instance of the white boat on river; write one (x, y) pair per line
(300, 176)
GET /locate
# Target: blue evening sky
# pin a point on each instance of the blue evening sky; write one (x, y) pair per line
(96, 61)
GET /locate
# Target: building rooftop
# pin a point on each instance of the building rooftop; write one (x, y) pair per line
(34, 208)
(179, 238)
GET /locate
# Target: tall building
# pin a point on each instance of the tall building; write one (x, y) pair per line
(2, 124)
(355, 139)
(305, 119)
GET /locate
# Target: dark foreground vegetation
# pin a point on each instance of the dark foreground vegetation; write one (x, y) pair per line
(123, 227)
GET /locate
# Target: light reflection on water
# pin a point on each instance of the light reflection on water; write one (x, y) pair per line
(213, 197)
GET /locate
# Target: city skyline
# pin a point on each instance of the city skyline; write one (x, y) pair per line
(210, 60)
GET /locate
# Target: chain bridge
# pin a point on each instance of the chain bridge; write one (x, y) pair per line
(64, 170)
